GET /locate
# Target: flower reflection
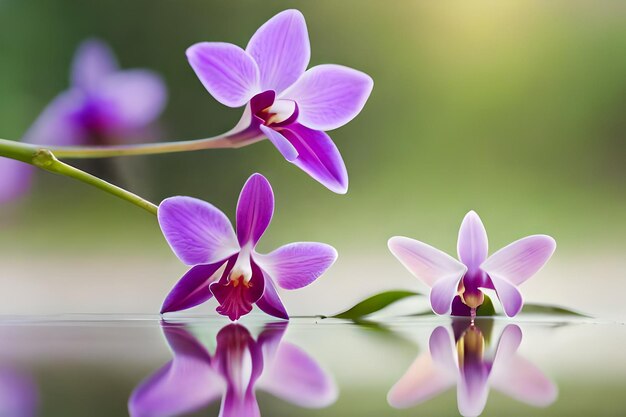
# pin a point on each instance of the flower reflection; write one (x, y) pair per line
(18, 394)
(464, 358)
(240, 365)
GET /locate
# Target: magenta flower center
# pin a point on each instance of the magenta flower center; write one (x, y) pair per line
(469, 287)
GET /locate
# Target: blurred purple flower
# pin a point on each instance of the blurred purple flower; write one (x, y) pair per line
(19, 396)
(468, 362)
(240, 366)
(104, 105)
(286, 103)
(456, 286)
(226, 265)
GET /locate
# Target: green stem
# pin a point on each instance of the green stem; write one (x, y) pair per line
(46, 160)
(83, 152)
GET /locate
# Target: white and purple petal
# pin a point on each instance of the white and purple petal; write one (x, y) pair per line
(296, 377)
(428, 376)
(521, 259)
(297, 265)
(281, 50)
(517, 377)
(472, 244)
(255, 209)
(329, 96)
(508, 294)
(425, 262)
(318, 156)
(228, 72)
(197, 231)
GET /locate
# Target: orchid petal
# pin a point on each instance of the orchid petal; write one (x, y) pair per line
(255, 209)
(472, 244)
(15, 179)
(441, 348)
(318, 156)
(269, 339)
(508, 294)
(521, 259)
(442, 294)
(235, 405)
(296, 265)
(523, 381)
(93, 62)
(329, 96)
(425, 262)
(228, 73)
(421, 382)
(185, 384)
(19, 394)
(193, 288)
(472, 391)
(517, 377)
(271, 303)
(197, 231)
(281, 49)
(135, 97)
(296, 377)
(58, 124)
(282, 144)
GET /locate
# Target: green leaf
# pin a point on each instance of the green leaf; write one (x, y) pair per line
(486, 308)
(550, 310)
(374, 303)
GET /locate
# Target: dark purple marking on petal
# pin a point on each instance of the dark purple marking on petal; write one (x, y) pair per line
(235, 296)
(459, 308)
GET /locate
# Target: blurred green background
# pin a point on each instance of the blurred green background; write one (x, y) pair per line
(514, 109)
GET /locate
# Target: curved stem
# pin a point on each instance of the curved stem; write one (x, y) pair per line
(62, 168)
(83, 152)
(46, 160)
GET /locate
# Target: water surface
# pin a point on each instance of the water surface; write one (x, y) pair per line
(108, 365)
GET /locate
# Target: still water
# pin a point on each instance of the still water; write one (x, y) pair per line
(144, 367)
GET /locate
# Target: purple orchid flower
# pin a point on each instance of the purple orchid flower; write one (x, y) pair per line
(239, 367)
(288, 105)
(456, 286)
(226, 265)
(466, 361)
(103, 106)
(19, 396)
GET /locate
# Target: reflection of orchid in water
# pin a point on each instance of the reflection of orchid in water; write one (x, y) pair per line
(465, 359)
(18, 394)
(239, 366)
